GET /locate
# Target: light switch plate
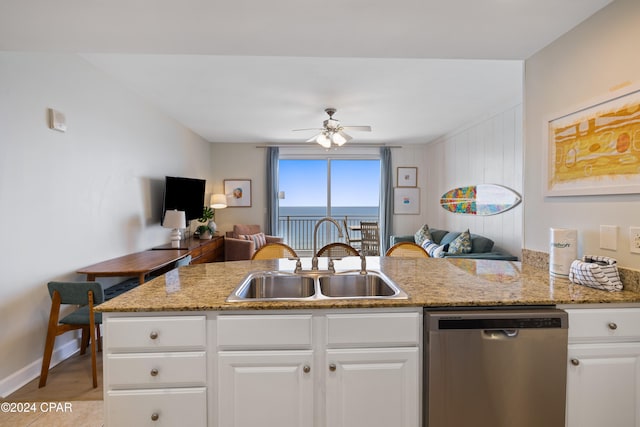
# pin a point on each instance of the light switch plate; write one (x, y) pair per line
(609, 237)
(634, 239)
(57, 120)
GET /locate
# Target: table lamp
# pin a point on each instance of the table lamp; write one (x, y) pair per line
(218, 201)
(176, 220)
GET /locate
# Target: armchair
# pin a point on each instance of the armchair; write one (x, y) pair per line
(241, 243)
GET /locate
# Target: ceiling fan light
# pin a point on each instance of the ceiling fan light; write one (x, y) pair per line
(339, 138)
(323, 140)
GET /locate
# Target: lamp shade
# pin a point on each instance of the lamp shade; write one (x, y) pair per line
(218, 201)
(174, 219)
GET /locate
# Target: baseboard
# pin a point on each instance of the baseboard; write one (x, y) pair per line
(30, 372)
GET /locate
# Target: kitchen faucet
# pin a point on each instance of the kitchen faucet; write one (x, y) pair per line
(314, 260)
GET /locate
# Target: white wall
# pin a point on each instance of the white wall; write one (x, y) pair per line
(487, 152)
(592, 61)
(71, 199)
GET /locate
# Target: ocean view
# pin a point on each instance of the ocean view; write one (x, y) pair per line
(297, 222)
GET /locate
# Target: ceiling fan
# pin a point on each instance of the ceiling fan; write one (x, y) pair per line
(332, 132)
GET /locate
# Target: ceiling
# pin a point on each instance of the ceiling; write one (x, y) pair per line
(253, 70)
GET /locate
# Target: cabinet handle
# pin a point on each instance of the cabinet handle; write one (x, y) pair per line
(575, 362)
(155, 416)
(153, 335)
(332, 367)
(306, 369)
(154, 372)
(613, 326)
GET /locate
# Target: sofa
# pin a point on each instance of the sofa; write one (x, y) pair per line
(481, 247)
(244, 240)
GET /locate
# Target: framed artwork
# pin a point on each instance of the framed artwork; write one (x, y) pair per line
(595, 150)
(407, 177)
(238, 192)
(406, 201)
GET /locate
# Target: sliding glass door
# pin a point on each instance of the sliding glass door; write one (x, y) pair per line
(347, 190)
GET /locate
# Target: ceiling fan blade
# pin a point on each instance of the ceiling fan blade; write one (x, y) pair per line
(296, 130)
(360, 128)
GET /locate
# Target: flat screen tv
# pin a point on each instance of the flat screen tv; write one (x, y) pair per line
(184, 194)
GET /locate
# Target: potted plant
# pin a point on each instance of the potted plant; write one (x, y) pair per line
(206, 230)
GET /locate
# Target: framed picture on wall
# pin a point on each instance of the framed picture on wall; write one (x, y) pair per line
(594, 149)
(406, 201)
(238, 192)
(407, 177)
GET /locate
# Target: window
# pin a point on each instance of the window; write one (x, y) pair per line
(345, 189)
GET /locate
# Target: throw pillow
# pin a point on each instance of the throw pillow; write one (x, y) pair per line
(433, 249)
(461, 244)
(422, 235)
(259, 239)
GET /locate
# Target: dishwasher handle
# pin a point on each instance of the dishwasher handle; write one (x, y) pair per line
(495, 334)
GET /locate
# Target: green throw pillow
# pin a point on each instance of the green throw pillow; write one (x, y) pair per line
(461, 245)
(422, 235)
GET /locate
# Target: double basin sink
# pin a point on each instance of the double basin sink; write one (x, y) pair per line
(276, 286)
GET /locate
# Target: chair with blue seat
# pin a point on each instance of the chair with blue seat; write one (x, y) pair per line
(87, 295)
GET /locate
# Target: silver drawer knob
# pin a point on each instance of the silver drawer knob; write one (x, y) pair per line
(154, 372)
(613, 326)
(575, 362)
(306, 369)
(155, 416)
(332, 367)
(153, 335)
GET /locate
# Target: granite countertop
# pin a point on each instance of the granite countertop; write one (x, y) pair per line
(428, 282)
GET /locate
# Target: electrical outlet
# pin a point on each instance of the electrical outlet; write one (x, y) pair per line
(634, 239)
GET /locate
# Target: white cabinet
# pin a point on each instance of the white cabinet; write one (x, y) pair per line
(337, 368)
(372, 387)
(155, 370)
(265, 388)
(603, 378)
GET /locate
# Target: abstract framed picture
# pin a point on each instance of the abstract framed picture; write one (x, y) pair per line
(595, 150)
(238, 192)
(407, 177)
(406, 201)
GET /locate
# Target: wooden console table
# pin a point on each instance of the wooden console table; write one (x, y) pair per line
(201, 251)
(138, 264)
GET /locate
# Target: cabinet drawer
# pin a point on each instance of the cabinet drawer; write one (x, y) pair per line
(161, 407)
(156, 333)
(363, 330)
(264, 332)
(183, 369)
(604, 323)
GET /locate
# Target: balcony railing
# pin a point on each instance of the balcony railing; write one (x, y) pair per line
(297, 230)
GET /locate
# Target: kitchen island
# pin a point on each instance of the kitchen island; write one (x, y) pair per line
(178, 352)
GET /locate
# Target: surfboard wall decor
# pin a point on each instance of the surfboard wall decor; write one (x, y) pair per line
(481, 199)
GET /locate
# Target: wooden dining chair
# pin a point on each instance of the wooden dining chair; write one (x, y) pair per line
(355, 243)
(86, 295)
(370, 238)
(274, 251)
(407, 250)
(337, 250)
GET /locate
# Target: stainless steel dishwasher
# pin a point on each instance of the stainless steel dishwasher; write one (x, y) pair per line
(495, 368)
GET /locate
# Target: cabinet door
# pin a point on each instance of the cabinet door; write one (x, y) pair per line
(373, 387)
(265, 388)
(603, 385)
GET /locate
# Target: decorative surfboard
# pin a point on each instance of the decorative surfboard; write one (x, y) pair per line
(481, 199)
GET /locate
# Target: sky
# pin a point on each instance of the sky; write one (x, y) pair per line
(353, 182)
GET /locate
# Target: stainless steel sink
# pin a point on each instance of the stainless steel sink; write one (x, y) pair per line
(270, 286)
(370, 285)
(273, 286)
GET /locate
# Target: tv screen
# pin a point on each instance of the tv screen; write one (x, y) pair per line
(184, 194)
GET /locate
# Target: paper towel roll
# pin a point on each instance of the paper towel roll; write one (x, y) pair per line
(563, 250)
